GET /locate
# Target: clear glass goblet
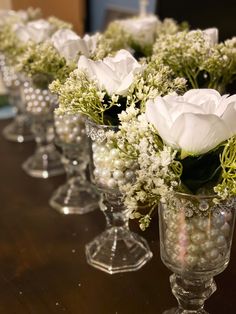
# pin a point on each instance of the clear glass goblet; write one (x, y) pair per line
(77, 195)
(195, 243)
(117, 249)
(20, 129)
(46, 161)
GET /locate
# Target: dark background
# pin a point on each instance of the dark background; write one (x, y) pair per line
(202, 14)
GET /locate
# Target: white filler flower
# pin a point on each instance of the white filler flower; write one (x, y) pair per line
(112, 74)
(196, 122)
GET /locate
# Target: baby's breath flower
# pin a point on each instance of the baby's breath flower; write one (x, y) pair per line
(43, 59)
(191, 56)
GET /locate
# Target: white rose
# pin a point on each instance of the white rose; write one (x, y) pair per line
(22, 32)
(196, 122)
(69, 44)
(91, 42)
(141, 29)
(211, 35)
(113, 74)
(39, 30)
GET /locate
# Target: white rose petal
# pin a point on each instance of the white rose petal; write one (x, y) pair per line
(141, 28)
(211, 35)
(196, 122)
(39, 30)
(113, 74)
(69, 44)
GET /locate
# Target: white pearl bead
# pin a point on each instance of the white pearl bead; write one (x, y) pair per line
(170, 236)
(202, 262)
(212, 254)
(96, 172)
(218, 221)
(183, 239)
(198, 237)
(189, 228)
(129, 174)
(172, 226)
(192, 249)
(94, 146)
(128, 163)
(114, 152)
(112, 183)
(105, 173)
(202, 224)
(102, 149)
(177, 249)
(107, 160)
(207, 245)
(214, 233)
(117, 174)
(78, 139)
(191, 260)
(118, 164)
(220, 241)
(225, 229)
(122, 182)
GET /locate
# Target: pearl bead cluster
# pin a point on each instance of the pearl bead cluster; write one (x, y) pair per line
(70, 128)
(199, 242)
(110, 170)
(38, 101)
(9, 76)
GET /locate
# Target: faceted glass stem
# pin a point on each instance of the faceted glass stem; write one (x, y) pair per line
(191, 294)
(46, 161)
(18, 130)
(77, 195)
(115, 217)
(117, 249)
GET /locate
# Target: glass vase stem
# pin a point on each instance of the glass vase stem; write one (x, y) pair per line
(191, 294)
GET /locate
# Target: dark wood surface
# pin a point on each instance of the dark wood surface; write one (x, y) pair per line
(42, 262)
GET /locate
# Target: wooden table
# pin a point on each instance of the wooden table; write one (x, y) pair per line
(42, 262)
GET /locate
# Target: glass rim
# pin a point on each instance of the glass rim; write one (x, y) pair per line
(102, 126)
(196, 196)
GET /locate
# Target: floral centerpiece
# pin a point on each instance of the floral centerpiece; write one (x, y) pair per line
(52, 56)
(197, 56)
(77, 195)
(10, 48)
(101, 90)
(185, 154)
(136, 34)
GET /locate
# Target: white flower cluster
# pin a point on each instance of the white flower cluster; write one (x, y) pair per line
(156, 172)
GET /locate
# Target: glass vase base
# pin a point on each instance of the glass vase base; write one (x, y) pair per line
(179, 311)
(118, 250)
(18, 132)
(44, 164)
(74, 199)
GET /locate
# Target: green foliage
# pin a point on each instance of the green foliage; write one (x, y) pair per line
(227, 183)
